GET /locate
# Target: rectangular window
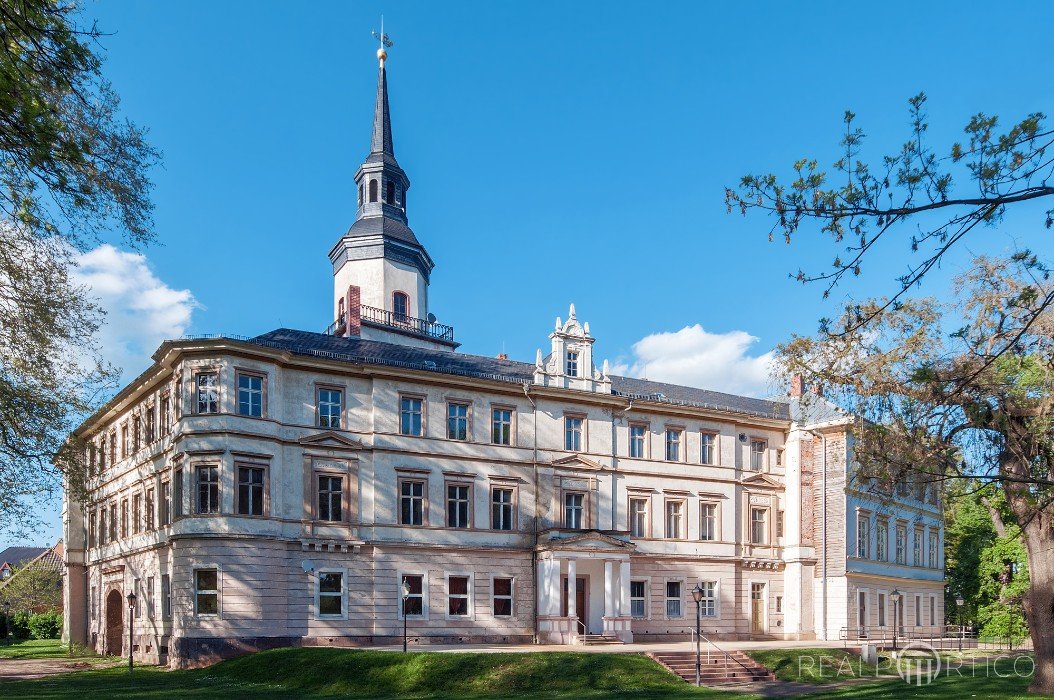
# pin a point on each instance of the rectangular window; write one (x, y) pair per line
(863, 536)
(708, 521)
(137, 609)
(574, 510)
(94, 603)
(166, 597)
(918, 611)
(206, 592)
(757, 454)
(457, 421)
(638, 517)
(933, 611)
(457, 596)
(916, 553)
(458, 501)
(902, 544)
(125, 444)
(137, 511)
(573, 433)
(638, 599)
(673, 445)
(674, 520)
(758, 534)
(571, 364)
(113, 447)
(150, 597)
(150, 433)
(501, 512)
(208, 392)
(102, 454)
(882, 540)
(166, 508)
(137, 433)
(706, 449)
(208, 489)
(673, 599)
(162, 416)
(92, 531)
(861, 610)
(502, 597)
(330, 593)
(708, 603)
(124, 518)
(102, 526)
(330, 493)
(933, 550)
(411, 502)
(149, 509)
(113, 522)
(410, 416)
(330, 403)
(881, 609)
(637, 436)
(413, 595)
(250, 395)
(250, 490)
(501, 426)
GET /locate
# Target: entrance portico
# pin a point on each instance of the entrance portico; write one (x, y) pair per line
(583, 586)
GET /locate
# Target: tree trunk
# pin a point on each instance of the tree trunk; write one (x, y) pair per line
(1039, 601)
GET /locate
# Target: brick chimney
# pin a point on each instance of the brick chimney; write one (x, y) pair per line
(353, 304)
(797, 386)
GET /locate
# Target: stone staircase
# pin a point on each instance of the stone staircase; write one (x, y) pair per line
(596, 639)
(719, 669)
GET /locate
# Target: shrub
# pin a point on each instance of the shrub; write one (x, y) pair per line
(20, 624)
(46, 625)
(3, 626)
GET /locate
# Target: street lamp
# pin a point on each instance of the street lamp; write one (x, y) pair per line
(131, 625)
(895, 595)
(406, 596)
(959, 602)
(697, 596)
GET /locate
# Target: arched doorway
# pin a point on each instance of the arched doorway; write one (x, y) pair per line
(114, 623)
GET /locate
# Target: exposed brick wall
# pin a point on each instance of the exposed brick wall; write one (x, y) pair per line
(353, 302)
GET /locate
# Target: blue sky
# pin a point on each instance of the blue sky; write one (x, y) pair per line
(558, 152)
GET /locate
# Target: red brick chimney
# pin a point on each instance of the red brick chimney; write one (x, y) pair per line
(353, 303)
(797, 386)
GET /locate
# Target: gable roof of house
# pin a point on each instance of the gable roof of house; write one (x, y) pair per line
(359, 351)
(17, 556)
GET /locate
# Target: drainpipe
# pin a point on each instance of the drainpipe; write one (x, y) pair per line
(534, 550)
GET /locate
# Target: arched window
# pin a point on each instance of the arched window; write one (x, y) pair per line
(373, 190)
(400, 306)
(389, 193)
(362, 192)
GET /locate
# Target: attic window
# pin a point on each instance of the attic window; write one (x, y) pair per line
(571, 364)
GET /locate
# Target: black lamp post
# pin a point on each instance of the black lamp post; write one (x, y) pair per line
(131, 625)
(895, 595)
(697, 596)
(959, 602)
(406, 595)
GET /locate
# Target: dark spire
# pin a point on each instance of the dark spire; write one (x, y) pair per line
(382, 121)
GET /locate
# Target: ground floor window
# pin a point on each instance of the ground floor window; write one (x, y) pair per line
(206, 592)
(673, 599)
(708, 603)
(330, 593)
(166, 597)
(458, 596)
(503, 597)
(413, 595)
(638, 599)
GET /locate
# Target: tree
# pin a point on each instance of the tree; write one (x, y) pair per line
(72, 171)
(35, 588)
(969, 532)
(1002, 573)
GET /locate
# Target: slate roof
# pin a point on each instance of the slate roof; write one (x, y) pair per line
(361, 351)
(17, 556)
(383, 226)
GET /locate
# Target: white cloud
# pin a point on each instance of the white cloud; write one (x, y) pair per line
(694, 357)
(141, 310)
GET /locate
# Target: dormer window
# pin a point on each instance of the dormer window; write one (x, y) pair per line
(373, 190)
(400, 306)
(571, 365)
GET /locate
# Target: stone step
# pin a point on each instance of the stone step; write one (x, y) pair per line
(599, 639)
(740, 668)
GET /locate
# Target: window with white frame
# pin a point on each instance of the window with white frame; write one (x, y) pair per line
(638, 517)
(675, 520)
(758, 530)
(457, 421)
(757, 454)
(458, 596)
(206, 592)
(638, 599)
(330, 404)
(411, 411)
(861, 609)
(933, 549)
(250, 490)
(166, 597)
(571, 363)
(933, 611)
(165, 504)
(863, 535)
(458, 502)
(708, 603)
(916, 553)
(330, 593)
(208, 477)
(501, 426)
(708, 521)
(673, 444)
(502, 596)
(574, 510)
(918, 611)
(250, 395)
(208, 392)
(330, 496)
(573, 433)
(881, 609)
(637, 436)
(413, 594)
(501, 508)
(673, 598)
(882, 539)
(707, 444)
(901, 544)
(148, 510)
(411, 502)
(137, 512)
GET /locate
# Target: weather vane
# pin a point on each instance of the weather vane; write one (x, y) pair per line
(385, 41)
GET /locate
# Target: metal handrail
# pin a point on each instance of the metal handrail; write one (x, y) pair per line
(710, 643)
(416, 325)
(581, 625)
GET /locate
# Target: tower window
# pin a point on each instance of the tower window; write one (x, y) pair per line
(373, 190)
(389, 193)
(362, 192)
(400, 306)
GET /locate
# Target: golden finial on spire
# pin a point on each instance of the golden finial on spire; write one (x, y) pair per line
(385, 42)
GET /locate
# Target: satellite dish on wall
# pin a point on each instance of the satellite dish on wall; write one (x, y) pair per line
(308, 566)
(431, 318)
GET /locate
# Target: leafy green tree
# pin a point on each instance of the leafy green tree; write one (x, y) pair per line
(33, 588)
(1004, 582)
(72, 171)
(968, 532)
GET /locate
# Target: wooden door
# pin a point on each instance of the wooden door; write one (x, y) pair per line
(114, 623)
(580, 599)
(757, 608)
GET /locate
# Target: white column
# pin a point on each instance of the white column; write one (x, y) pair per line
(609, 588)
(623, 579)
(572, 589)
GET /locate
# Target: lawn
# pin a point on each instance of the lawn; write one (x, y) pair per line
(817, 666)
(36, 649)
(316, 673)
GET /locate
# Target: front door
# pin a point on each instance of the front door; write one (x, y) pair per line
(114, 623)
(580, 601)
(757, 608)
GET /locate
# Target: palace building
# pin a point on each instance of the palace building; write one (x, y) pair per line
(304, 488)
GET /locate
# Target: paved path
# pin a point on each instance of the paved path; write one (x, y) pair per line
(26, 669)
